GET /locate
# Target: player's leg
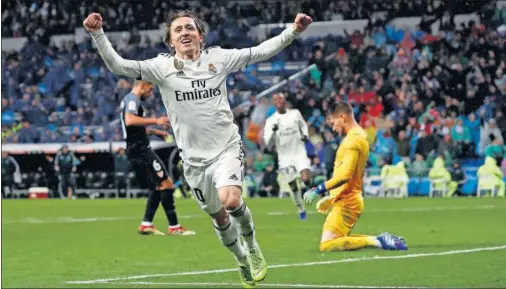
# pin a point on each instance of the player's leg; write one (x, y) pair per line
(228, 173)
(338, 225)
(297, 198)
(205, 193)
(159, 178)
(335, 236)
(230, 238)
(303, 166)
(140, 168)
(290, 176)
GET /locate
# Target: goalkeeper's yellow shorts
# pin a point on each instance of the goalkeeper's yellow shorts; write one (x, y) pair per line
(344, 215)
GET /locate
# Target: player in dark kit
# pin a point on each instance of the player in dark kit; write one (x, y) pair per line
(149, 169)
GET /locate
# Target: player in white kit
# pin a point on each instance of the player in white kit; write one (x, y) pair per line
(287, 130)
(192, 83)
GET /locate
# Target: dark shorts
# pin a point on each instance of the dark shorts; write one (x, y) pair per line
(149, 169)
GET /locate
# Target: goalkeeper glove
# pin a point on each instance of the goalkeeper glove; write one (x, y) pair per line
(311, 195)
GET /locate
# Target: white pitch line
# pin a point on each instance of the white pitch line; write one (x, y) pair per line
(258, 284)
(305, 264)
(79, 220)
(281, 213)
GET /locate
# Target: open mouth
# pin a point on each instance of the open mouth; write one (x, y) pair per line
(186, 41)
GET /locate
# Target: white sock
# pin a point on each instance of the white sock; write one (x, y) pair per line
(297, 199)
(377, 243)
(244, 222)
(144, 223)
(229, 237)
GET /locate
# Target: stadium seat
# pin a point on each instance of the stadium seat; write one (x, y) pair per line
(469, 188)
(424, 188)
(413, 186)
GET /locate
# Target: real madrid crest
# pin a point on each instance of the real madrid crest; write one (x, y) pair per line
(178, 64)
(212, 69)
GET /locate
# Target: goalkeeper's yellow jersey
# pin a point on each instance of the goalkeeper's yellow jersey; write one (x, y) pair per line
(350, 163)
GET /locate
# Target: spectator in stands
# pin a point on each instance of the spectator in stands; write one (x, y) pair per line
(462, 137)
(28, 134)
(489, 133)
(447, 149)
(269, 186)
(403, 147)
(496, 150)
(427, 144)
(458, 176)
(260, 163)
(474, 126)
(419, 168)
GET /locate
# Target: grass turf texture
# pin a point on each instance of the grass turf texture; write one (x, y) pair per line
(46, 243)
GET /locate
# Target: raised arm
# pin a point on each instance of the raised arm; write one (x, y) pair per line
(270, 129)
(304, 131)
(239, 58)
(145, 70)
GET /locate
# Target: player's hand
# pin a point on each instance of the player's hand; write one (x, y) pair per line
(310, 196)
(93, 22)
(162, 134)
(162, 121)
(304, 138)
(275, 127)
(324, 204)
(301, 22)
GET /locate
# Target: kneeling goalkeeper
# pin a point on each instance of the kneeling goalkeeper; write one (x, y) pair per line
(345, 203)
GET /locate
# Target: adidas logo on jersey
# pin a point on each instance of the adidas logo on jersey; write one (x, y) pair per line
(234, 177)
(180, 74)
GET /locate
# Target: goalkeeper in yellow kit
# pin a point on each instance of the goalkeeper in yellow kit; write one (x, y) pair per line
(345, 203)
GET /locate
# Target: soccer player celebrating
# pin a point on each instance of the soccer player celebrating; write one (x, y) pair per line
(149, 169)
(193, 88)
(345, 201)
(287, 130)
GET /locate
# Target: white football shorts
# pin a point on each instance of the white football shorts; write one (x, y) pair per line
(226, 170)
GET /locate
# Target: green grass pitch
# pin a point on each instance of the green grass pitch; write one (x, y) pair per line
(51, 243)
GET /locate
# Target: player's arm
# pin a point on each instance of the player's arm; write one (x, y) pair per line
(132, 119)
(343, 172)
(145, 70)
(304, 131)
(239, 58)
(269, 131)
(160, 133)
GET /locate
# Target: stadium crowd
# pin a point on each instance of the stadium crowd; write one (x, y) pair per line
(417, 93)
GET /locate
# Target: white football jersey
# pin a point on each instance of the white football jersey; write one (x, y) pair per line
(194, 92)
(288, 138)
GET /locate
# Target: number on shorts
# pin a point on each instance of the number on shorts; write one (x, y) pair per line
(288, 170)
(156, 165)
(197, 193)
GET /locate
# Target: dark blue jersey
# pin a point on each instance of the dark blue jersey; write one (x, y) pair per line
(135, 136)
